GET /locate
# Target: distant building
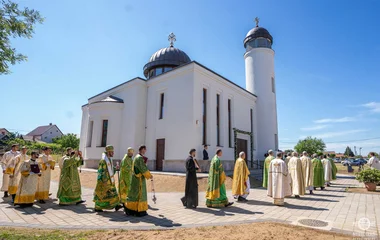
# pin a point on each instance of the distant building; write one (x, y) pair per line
(3, 132)
(329, 152)
(44, 133)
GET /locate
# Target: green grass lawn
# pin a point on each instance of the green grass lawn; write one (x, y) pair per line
(21, 234)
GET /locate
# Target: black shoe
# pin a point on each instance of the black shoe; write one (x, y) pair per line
(328, 185)
(241, 199)
(297, 196)
(41, 201)
(315, 188)
(118, 207)
(229, 204)
(322, 188)
(311, 192)
(141, 214)
(6, 194)
(81, 201)
(98, 210)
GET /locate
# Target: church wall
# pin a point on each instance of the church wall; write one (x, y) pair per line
(98, 112)
(177, 125)
(132, 131)
(83, 131)
(241, 102)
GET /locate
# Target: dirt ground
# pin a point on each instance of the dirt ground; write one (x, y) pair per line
(162, 183)
(239, 232)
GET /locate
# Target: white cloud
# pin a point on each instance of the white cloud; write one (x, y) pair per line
(336, 120)
(373, 106)
(317, 127)
(336, 134)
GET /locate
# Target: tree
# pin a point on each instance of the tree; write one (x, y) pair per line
(333, 155)
(288, 151)
(68, 140)
(14, 22)
(349, 152)
(310, 145)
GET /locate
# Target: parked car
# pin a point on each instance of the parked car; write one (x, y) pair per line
(346, 162)
(336, 160)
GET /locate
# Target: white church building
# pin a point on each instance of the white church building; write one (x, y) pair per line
(182, 104)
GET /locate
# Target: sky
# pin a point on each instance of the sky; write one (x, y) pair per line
(327, 60)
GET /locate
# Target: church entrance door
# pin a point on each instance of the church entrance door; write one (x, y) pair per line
(160, 153)
(242, 146)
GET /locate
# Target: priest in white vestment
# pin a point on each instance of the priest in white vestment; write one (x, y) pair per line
(295, 171)
(307, 172)
(13, 169)
(47, 165)
(279, 181)
(373, 162)
(7, 157)
(327, 170)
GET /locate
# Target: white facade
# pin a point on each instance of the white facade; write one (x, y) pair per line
(260, 80)
(136, 119)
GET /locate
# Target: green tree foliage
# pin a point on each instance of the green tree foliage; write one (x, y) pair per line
(14, 22)
(288, 151)
(349, 152)
(68, 140)
(333, 155)
(310, 145)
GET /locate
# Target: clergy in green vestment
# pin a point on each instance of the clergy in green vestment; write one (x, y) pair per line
(216, 195)
(333, 167)
(266, 168)
(319, 179)
(125, 175)
(105, 195)
(69, 190)
(137, 200)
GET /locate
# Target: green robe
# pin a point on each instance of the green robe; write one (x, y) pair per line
(266, 169)
(216, 195)
(125, 177)
(105, 195)
(69, 190)
(319, 179)
(137, 197)
(333, 168)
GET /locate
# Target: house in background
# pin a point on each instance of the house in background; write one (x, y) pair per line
(3, 132)
(44, 133)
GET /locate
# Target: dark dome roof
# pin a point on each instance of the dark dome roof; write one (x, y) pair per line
(257, 32)
(169, 56)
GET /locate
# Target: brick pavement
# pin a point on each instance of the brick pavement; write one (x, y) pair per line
(340, 209)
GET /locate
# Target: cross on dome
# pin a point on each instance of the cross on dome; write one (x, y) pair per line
(171, 39)
(257, 21)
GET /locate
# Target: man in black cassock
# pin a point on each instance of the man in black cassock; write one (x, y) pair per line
(190, 200)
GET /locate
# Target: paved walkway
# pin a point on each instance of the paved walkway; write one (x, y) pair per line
(342, 212)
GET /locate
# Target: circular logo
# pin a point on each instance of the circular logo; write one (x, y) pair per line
(364, 224)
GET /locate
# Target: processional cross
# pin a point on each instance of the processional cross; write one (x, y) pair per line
(171, 39)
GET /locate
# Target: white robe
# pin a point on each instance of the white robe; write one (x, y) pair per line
(279, 181)
(373, 162)
(308, 172)
(13, 169)
(7, 157)
(43, 186)
(27, 187)
(327, 169)
(295, 171)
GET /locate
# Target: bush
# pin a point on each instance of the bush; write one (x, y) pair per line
(369, 176)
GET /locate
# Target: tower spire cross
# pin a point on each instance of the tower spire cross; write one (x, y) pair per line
(171, 39)
(257, 20)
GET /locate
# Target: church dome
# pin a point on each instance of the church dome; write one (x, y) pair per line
(256, 33)
(165, 59)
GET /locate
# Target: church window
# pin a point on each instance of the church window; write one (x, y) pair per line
(253, 136)
(158, 71)
(273, 88)
(151, 73)
(161, 106)
(204, 140)
(166, 69)
(229, 124)
(276, 141)
(104, 133)
(217, 120)
(89, 134)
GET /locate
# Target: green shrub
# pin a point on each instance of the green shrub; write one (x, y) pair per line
(369, 176)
